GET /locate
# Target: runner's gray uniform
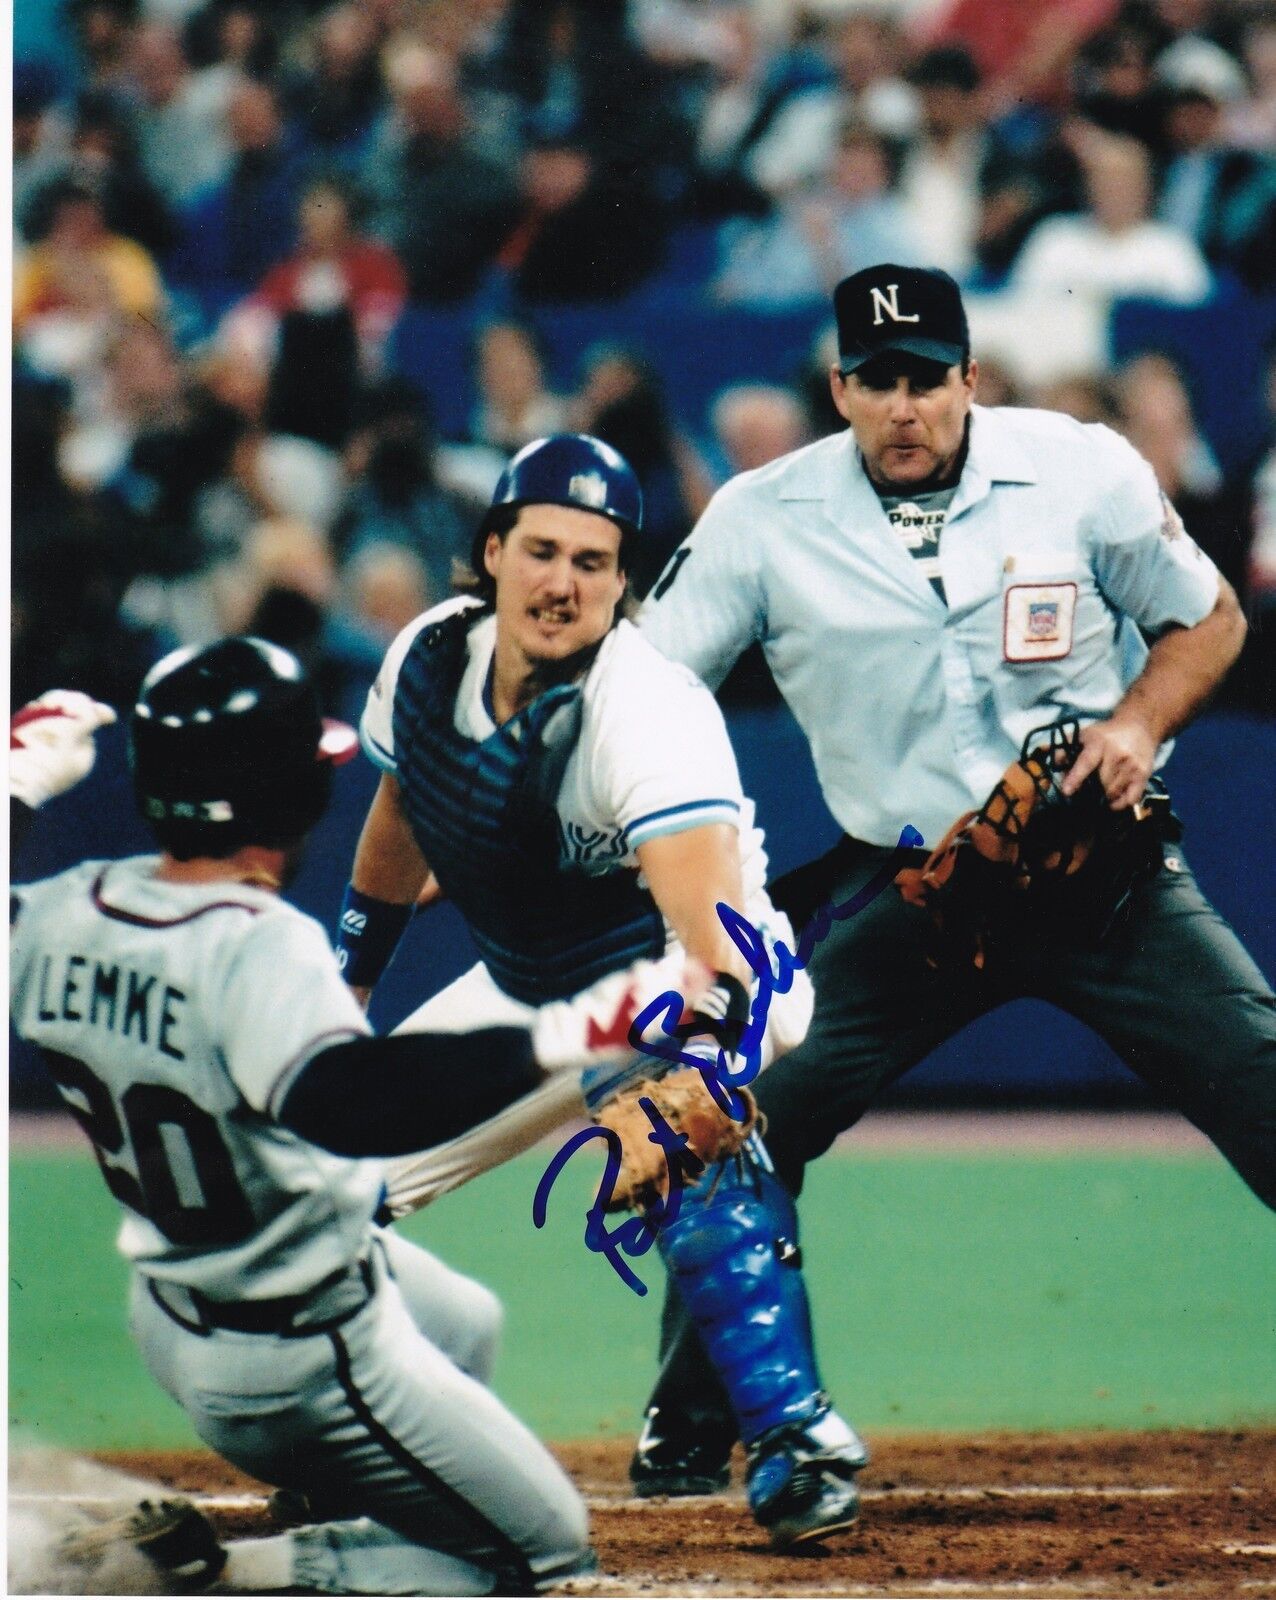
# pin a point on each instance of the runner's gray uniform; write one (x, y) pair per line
(307, 1346)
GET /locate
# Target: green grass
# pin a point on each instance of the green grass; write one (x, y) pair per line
(950, 1291)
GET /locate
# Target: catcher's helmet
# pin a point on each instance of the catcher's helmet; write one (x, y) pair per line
(566, 469)
(228, 748)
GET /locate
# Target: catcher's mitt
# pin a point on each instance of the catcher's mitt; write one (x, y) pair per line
(1065, 856)
(685, 1103)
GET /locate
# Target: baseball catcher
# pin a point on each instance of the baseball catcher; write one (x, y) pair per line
(575, 796)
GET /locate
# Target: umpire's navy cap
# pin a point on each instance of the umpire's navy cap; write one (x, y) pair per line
(915, 310)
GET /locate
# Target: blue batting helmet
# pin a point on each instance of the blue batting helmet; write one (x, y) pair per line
(566, 469)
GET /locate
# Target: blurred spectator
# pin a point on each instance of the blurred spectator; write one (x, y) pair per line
(621, 401)
(952, 159)
(1087, 399)
(232, 34)
(812, 385)
(334, 267)
(1113, 82)
(1251, 122)
(68, 288)
(180, 115)
(140, 388)
(1177, 19)
(1221, 196)
(1114, 249)
(103, 32)
(74, 635)
(335, 104)
(40, 418)
(101, 151)
(755, 423)
(997, 385)
(314, 377)
(745, 91)
(284, 588)
(1155, 414)
(573, 64)
(435, 200)
(71, 560)
(278, 553)
(687, 35)
(869, 51)
(822, 234)
(588, 229)
(606, 152)
(238, 229)
(268, 474)
(386, 587)
(514, 404)
(1023, 51)
(804, 98)
(41, 138)
(395, 495)
(178, 450)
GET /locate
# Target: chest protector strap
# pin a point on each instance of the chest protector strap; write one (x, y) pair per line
(483, 814)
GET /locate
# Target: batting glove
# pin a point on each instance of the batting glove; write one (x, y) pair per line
(51, 744)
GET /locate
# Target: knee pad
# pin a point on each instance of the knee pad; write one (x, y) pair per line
(733, 1252)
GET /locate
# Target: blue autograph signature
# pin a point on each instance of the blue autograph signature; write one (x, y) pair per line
(636, 1235)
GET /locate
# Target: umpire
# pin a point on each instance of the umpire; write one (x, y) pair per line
(929, 587)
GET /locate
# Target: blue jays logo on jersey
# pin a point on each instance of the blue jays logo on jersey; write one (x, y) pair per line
(594, 849)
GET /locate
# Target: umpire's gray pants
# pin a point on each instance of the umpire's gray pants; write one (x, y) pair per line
(1170, 988)
(384, 1417)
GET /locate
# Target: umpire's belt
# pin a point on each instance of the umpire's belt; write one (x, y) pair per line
(332, 1301)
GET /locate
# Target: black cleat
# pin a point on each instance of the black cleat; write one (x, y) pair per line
(174, 1536)
(679, 1465)
(802, 1480)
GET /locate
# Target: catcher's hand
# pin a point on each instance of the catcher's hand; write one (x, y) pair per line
(687, 1106)
(51, 744)
(1047, 821)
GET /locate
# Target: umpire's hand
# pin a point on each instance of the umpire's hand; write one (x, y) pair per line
(1122, 751)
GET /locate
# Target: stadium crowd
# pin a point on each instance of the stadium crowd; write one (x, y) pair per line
(225, 209)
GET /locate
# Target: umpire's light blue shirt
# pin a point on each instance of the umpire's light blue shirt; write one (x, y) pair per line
(1058, 542)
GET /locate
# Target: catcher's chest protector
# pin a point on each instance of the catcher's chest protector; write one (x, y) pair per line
(483, 814)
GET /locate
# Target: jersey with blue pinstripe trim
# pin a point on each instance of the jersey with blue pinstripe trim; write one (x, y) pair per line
(650, 757)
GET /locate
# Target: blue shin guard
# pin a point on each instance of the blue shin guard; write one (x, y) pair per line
(732, 1250)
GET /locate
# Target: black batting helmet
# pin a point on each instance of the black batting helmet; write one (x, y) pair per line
(228, 748)
(565, 469)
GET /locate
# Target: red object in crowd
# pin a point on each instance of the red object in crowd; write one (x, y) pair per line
(1033, 37)
(366, 276)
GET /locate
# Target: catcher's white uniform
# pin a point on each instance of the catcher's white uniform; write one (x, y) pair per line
(652, 757)
(306, 1346)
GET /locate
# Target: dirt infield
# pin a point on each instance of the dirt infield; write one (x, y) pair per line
(1188, 1516)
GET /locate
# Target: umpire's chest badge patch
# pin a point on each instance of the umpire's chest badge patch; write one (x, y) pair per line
(1038, 621)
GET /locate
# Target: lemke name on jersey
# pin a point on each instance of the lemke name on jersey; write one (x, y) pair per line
(121, 1000)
